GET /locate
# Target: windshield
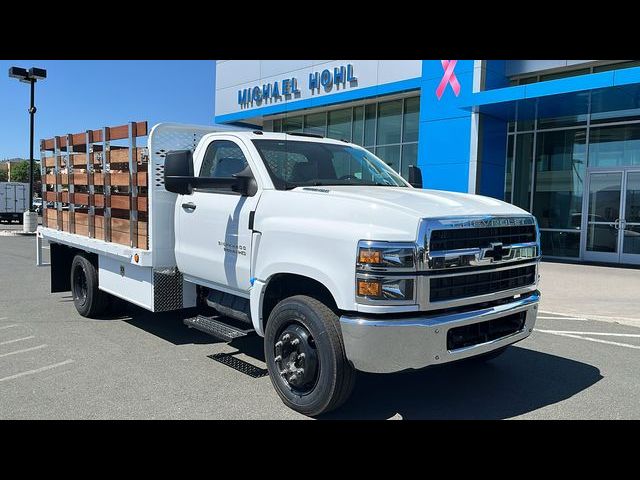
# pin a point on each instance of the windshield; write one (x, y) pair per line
(298, 163)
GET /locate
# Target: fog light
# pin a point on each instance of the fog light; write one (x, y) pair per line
(369, 288)
(386, 288)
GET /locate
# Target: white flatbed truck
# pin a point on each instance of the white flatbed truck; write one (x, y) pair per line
(314, 244)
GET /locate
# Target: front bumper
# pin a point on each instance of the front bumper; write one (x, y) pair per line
(385, 346)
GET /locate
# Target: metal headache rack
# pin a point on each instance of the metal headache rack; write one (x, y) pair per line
(99, 189)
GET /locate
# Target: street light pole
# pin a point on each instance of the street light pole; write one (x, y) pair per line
(32, 114)
(31, 76)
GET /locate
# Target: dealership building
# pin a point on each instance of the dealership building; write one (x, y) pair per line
(559, 138)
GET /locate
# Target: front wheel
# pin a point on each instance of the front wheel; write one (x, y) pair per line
(88, 299)
(306, 357)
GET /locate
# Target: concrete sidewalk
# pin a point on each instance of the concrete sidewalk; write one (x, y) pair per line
(603, 293)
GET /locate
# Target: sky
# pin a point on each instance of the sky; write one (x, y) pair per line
(79, 95)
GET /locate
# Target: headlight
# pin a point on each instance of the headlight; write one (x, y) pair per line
(384, 273)
(385, 288)
(385, 256)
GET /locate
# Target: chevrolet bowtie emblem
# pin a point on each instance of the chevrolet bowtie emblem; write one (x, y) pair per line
(495, 251)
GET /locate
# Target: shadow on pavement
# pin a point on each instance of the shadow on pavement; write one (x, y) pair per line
(166, 325)
(517, 382)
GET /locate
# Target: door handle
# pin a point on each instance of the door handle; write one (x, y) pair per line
(616, 224)
(189, 206)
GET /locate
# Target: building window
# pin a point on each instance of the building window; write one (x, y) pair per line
(370, 124)
(339, 124)
(508, 177)
(316, 123)
(522, 167)
(572, 72)
(389, 123)
(390, 154)
(409, 158)
(389, 129)
(547, 165)
(411, 119)
(358, 126)
(559, 182)
(617, 146)
(292, 124)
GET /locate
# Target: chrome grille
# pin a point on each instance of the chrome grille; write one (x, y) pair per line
(478, 241)
(462, 286)
(454, 239)
(468, 260)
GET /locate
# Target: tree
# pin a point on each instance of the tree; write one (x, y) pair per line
(20, 172)
(3, 175)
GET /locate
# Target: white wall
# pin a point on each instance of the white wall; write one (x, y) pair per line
(235, 75)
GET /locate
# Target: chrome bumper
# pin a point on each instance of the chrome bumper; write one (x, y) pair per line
(385, 346)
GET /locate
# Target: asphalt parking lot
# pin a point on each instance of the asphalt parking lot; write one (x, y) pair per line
(581, 362)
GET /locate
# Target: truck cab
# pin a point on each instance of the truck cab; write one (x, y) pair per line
(318, 246)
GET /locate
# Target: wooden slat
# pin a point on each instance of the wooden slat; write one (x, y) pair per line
(117, 179)
(121, 202)
(120, 179)
(52, 215)
(81, 198)
(119, 227)
(116, 133)
(116, 156)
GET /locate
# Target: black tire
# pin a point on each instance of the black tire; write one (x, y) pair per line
(334, 375)
(485, 357)
(88, 299)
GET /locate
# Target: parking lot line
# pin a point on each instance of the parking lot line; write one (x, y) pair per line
(37, 370)
(7, 342)
(597, 340)
(8, 326)
(606, 334)
(23, 350)
(542, 317)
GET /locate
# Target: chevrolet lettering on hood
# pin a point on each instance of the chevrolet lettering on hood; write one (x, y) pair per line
(489, 222)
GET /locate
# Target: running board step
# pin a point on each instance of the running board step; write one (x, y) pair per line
(216, 328)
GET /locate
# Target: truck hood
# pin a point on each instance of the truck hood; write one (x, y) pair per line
(418, 202)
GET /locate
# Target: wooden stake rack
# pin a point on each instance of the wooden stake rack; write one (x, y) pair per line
(99, 188)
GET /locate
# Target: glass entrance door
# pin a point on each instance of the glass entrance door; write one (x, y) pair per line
(630, 223)
(603, 217)
(613, 217)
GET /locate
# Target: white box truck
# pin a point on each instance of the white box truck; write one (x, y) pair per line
(313, 243)
(13, 201)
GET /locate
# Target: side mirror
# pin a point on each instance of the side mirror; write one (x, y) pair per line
(415, 176)
(246, 183)
(178, 172)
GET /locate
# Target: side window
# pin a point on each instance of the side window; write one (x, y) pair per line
(222, 159)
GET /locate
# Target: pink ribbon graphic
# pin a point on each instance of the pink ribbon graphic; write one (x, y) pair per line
(449, 78)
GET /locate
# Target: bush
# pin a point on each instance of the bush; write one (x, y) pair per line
(20, 172)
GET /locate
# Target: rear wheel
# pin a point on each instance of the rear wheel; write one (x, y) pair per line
(305, 356)
(88, 299)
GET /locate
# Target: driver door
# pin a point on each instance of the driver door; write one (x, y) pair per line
(213, 246)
